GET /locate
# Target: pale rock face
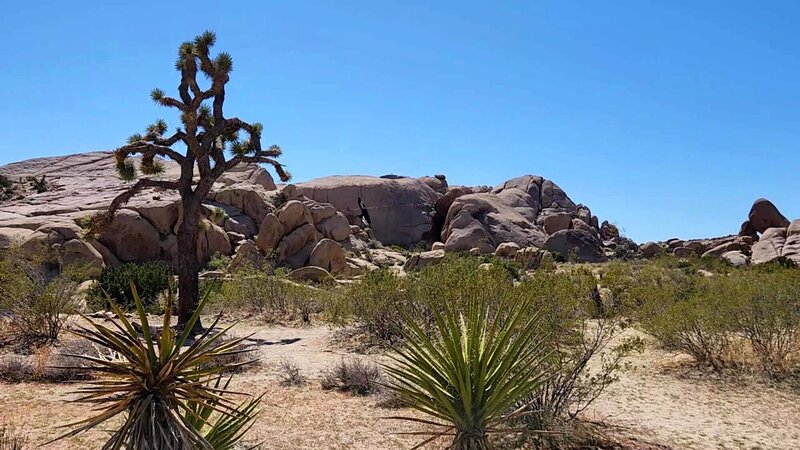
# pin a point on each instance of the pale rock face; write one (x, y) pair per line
(770, 246)
(484, 220)
(401, 209)
(335, 227)
(270, 233)
(212, 240)
(555, 220)
(294, 214)
(507, 250)
(585, 245)
(437, 246)
(791, 249)
(329, 255)
(247, 253)
(131, 237)
(424, 259)
(736, 258)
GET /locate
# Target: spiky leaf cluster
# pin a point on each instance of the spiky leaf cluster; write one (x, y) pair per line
(470, 370)
(159, 384)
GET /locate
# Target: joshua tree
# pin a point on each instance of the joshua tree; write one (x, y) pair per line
(213, 146)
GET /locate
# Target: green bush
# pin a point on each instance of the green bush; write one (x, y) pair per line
(270, 296)
(6, 188)
(151, 279)
(218, 262)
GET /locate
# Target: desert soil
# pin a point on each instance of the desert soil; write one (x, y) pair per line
(653, 403)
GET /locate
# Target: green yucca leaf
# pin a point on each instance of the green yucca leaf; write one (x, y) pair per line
(469, 369)
(155, 380)
(134, 138)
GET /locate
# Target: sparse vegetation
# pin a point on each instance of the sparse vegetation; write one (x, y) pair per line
(11, 439)
(6, 188)
(354, 376)
(290, 373)
(218, 262)
(269, 296)
(38, 301)
(469, 370)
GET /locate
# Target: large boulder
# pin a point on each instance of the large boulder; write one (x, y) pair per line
(585, 246)
(424, 259)
(608, 230)
(131, 237)
(554, 220)
(437, 182)
(78, 252)
(269, 234)
(335, 227)
(329, 255)
(484, 220)
(650, 249)
(400, 210)
(770, 246)
(764, 214)
(736, 258)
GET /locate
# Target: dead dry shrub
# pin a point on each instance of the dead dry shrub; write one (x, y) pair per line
(11, 439)
(289, 373)
(353, 376)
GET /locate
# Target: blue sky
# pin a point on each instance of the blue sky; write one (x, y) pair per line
(666, 117)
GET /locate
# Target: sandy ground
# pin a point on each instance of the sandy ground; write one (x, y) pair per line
(658, 399)
(651, 402)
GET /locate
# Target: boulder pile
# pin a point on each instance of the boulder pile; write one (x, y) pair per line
(764, 237)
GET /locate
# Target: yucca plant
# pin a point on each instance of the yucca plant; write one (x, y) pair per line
(162, 389)
(227, 430)
(469, 372)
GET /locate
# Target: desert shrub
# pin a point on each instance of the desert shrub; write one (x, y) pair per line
(354, 376)
(11, 439)
(765, 310)
(374, 303)
(6, 188)
(38, 304)
(270, 296)
(47, 364)
(218, 262)
(150, 279)
(39, 185)
(289, 373)
(578, 329)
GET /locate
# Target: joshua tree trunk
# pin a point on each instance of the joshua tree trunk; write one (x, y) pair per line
(188, 264)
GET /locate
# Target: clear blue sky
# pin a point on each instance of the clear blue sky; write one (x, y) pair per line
(666, 117)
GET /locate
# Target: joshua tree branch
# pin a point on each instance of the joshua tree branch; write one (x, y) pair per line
(138, 187)
(147, 148)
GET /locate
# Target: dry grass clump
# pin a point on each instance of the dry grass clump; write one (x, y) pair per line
(290, 374)
(354, 376)
(50, 364)
(11, 439)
